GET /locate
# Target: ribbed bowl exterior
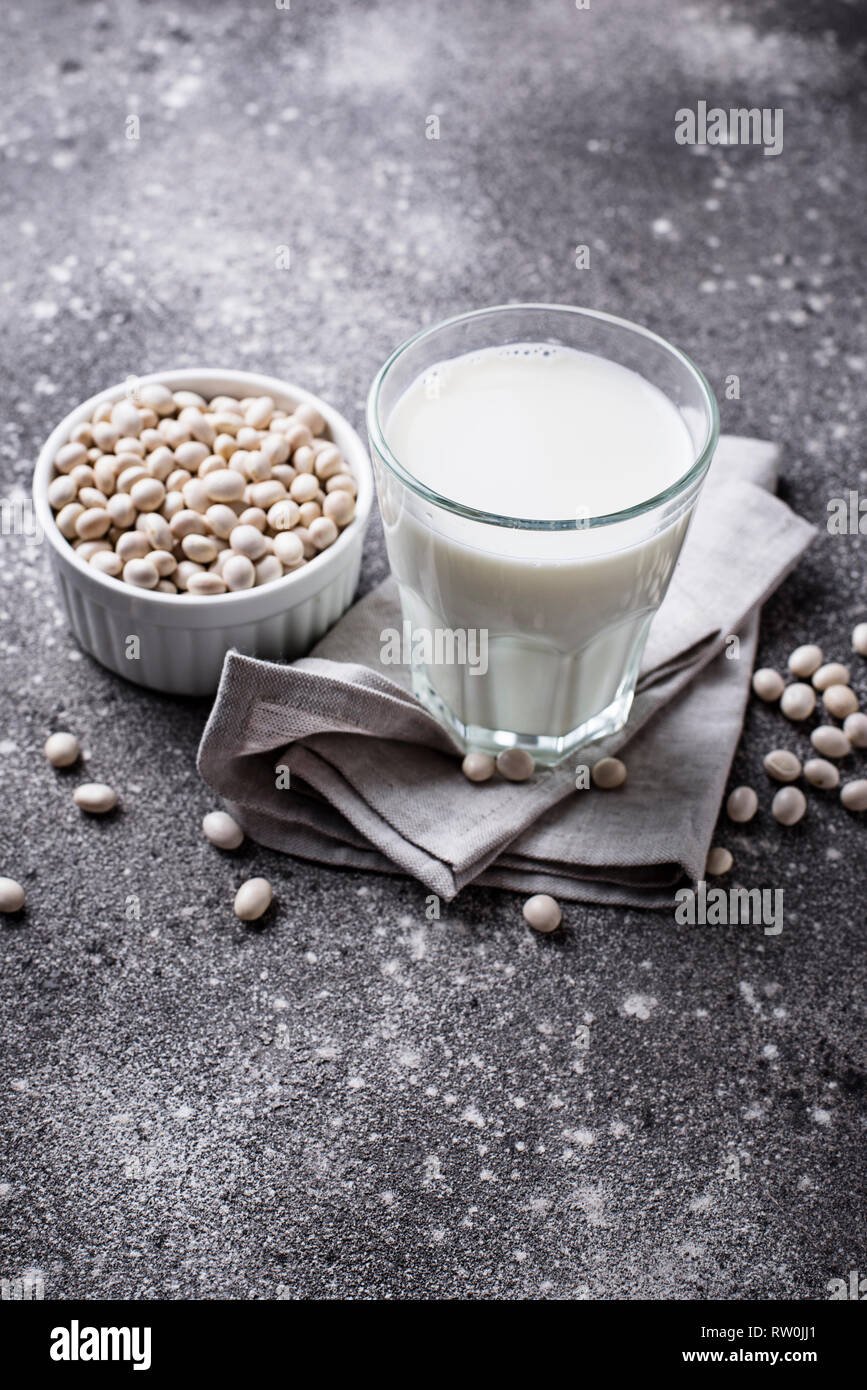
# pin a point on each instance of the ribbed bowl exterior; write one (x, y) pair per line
(185, 660)
(176, 643)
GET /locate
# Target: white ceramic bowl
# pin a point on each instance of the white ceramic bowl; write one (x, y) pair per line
(183, 639)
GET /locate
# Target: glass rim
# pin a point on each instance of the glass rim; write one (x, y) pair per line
(679, 486)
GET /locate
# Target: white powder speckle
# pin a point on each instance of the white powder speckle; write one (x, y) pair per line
(183, 92)
(639, 1005)
(590, 1201)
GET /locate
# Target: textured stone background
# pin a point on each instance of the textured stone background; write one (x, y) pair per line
(351, 1100)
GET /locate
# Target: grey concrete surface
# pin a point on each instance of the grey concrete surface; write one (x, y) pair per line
(351, 1100)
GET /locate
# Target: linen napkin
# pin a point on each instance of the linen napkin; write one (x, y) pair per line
(374, 780)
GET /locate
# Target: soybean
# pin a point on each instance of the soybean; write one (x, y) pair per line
(164, 562)
(342, 482)
(206, 584)
(121, 509)
(855, 729)
(222, 520)
(158, 398)
(92, 523)
(840, 701)
(62, 491)
(107, 562)
(805, 660)
(11, 895)
(132, 545)
(141, 573)
(820, 773)
(798, 701)
(542, 913)
(268, 569)
(742, 804)
(184, 573)
(126, 418)
(222, 830)
(832, 673)
(854, 795)
(608, 773)
(199, 548)
(309, 416)
(789, 805)
(248, 540)
(340, 507)
(328, 462)
(719, 861)
(67, 517)
(289, 549)
(157, 530)
(62, 749)
(224, 486)
(252, 899)
(86, 550)
(323, 532)
(782, 765)
(478, 767)
(264, 495)
(238, 573)
(147, 494)
(830, 741)
(515, 764)
(304, 487)
(95, 798)
(768, 684)
(186, 522)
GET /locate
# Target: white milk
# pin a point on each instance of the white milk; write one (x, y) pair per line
(539, 433)
(535, 433)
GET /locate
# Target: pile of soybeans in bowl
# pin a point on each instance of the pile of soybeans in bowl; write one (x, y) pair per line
(173, 493)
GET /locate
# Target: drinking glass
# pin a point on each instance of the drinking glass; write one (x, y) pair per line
(520, 632)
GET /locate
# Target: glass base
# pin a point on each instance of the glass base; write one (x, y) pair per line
(546, 750)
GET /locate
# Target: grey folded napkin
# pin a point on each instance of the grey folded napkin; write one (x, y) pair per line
(374, 780)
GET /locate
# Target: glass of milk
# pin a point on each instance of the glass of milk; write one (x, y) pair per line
(537, 466)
